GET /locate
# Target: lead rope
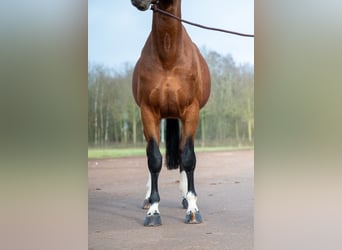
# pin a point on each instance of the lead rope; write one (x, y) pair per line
(156, 9)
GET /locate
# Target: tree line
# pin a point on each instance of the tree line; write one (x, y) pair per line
(226, 120)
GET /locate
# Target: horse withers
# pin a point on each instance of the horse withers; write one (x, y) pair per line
(171, 80)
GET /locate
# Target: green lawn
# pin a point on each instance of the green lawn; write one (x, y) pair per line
(113, 153)
(102, 153)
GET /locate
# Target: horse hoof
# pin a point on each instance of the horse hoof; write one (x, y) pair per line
(146, 204)
(193, 218)
(185, 203)
(152, 220)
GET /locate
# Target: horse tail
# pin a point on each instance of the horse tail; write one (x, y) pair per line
(172, 144)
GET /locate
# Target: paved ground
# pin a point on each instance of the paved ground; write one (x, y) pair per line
(224, 184)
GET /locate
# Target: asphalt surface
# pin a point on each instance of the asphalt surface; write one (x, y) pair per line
(224, 182)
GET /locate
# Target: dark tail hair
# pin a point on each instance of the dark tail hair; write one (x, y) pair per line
(172, 144)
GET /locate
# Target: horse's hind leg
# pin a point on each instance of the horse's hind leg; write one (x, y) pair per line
(146, 204)
(183, 187)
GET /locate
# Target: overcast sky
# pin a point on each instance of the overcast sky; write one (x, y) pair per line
(117, 31)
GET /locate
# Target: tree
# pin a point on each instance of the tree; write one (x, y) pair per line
(227, 119)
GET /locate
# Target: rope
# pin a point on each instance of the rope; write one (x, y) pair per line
(156, 9)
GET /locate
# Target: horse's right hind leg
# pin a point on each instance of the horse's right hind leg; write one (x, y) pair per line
(183, 187)
(146, 204)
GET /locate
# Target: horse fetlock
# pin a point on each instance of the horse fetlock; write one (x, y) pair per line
(146, 204)
(154, 209)
(193, 215)
(185, 203)
(192, 203)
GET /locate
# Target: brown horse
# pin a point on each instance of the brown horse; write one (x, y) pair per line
(171, 80)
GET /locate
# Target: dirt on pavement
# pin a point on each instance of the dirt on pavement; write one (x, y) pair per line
(224, 182)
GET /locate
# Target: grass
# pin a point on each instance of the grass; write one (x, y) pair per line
(103, 153)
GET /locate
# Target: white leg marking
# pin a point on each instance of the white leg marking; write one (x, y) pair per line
(183, 183)
(153, 209)
(191, 198)
(148, 187)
